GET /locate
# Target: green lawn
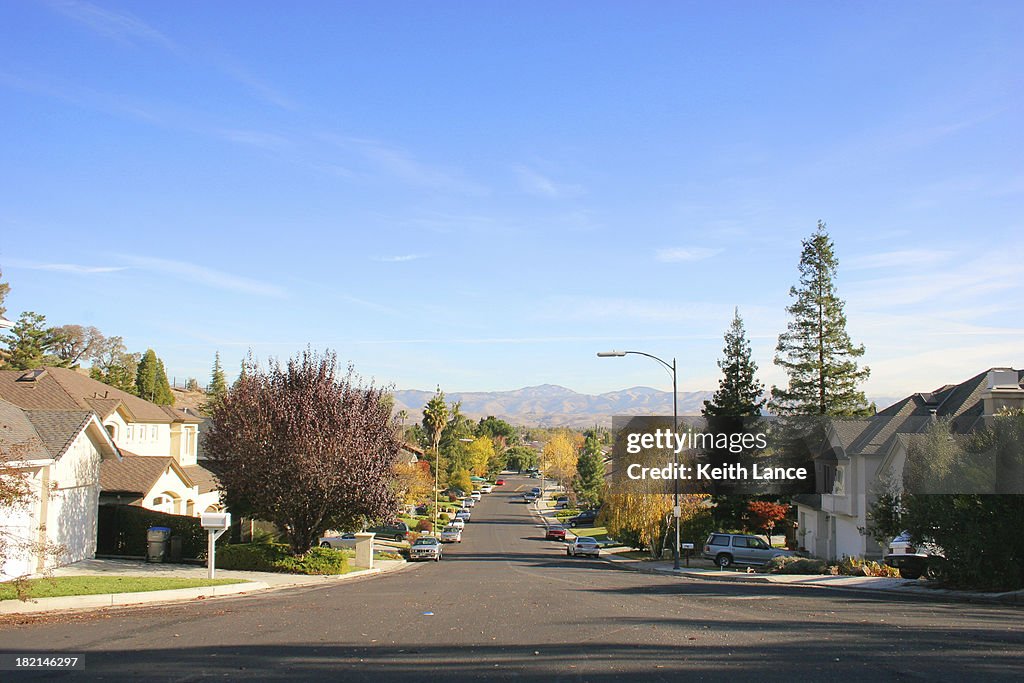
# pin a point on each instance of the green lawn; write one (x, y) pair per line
(598, 533)
(96, 585)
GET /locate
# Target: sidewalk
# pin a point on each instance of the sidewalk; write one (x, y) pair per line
(871, 583)
(257, 582)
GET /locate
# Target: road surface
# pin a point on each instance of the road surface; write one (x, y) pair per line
(506, 604)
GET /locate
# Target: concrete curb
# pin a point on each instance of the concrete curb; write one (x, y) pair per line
(1013, 598)
(101, 601)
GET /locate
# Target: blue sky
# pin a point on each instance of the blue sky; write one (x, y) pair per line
(483, 195)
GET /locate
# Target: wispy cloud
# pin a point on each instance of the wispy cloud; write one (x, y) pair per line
(75, 268)
(401, 165)
(685, 254)
(119, 26)
(128, 29)
(193, 273)
(401, 258)
(536, 183)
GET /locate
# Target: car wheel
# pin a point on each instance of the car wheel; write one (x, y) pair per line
(400, 538)
(910, 573)
(572, 525)
(723, 560)
(325, 544)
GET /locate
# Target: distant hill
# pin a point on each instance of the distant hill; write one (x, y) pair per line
(551, 405)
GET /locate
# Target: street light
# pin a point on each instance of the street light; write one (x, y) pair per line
(676, 512)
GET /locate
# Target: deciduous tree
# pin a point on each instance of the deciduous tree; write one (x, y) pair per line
(558, 458)
(74, 343)
(764, 515)
(302, 447)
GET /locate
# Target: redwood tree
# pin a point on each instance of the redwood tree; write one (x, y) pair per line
(302, 447)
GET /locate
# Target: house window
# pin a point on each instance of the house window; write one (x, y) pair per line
(112, 431)
(839, 487)
(131, 432)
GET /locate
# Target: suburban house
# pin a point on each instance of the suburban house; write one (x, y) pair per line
(158, 468)
(860, 457)
(60, 454)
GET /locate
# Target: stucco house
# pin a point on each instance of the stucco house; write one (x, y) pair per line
(158, 469)
(859, 457)
(59, 452)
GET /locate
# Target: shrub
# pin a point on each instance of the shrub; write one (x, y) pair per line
(443, 518)
(122, 531)
(425, 525)
(274, 557)
(795, 565)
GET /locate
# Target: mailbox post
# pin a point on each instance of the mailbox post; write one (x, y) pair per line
(215, 523)
(687, 547)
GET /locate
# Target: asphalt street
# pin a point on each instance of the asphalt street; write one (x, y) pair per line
(506, 604)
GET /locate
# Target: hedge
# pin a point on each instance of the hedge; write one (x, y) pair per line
(122, 531)
(274, 557)
(796, 565)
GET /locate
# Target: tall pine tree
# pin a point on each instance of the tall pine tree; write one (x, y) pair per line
(590, 471)
(739, 393)
(151, 380)
(815, 350)
(218, 383)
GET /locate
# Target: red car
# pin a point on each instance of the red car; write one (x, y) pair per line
(500, 482)
(556, 532)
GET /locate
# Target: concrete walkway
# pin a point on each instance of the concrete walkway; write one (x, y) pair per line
(248, 582)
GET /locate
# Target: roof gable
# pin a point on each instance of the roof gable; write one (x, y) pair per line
(138, 473)
(65, 389)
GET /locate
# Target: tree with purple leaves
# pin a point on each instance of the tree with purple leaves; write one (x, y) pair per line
(302, 447)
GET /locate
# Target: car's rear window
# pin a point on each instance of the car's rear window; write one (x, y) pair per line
(718, 539)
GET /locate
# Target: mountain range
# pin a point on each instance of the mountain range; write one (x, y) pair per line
(551, 405)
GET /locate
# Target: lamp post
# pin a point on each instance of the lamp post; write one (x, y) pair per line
(671, 367)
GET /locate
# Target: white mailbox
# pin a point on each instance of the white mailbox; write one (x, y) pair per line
(215, 520)
(686, 546)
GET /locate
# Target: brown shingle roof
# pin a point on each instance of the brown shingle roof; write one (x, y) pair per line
(58, 428)
(64, 389)
(18, 437)
(136, 473)
(203, 478)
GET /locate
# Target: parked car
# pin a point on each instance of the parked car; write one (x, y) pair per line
(475, 495)
(458, 523)
(500, 482)
(556, 532)
(536, 490)
(729, 549)
(345, 540)
(561, 502)
(468, 502)
(395, 531)
(585, 518)
(486, 488)
(425, 548)
(910, 559)
(464, 515)
(583, 545)
(534, 475)
(451, 534)
(530, 496)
